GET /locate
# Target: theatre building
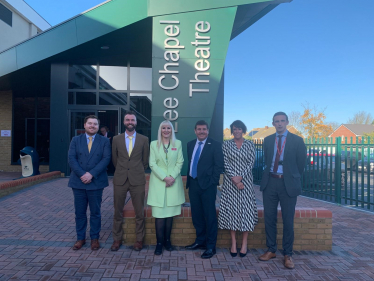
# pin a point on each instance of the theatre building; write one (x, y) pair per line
(163, 59)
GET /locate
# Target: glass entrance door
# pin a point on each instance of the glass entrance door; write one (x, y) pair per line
(108, 118)
(77, 121)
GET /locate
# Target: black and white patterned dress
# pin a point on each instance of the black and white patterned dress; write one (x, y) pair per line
(238, 209)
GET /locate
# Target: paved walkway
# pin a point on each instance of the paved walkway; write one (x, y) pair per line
(37, 232)
(8, 176)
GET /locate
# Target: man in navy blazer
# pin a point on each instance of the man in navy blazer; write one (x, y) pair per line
(205, 165)
(89, 155)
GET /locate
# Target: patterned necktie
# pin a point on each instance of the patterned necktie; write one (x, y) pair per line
(89, 144)
(195, 161)
(277, 157)
(130, 144)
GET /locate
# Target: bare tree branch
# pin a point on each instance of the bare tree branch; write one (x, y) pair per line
(361, 117)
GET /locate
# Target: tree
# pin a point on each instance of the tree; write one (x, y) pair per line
(371, 135)
(295, 120)
(333, 124)
(313, 122)
(361, 117)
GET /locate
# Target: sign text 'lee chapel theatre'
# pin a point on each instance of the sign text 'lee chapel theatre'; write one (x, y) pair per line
(172, 47)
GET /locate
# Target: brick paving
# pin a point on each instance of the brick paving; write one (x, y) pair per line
(37, 231)
(8, 176)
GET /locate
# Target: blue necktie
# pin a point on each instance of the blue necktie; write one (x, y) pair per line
(195, 161)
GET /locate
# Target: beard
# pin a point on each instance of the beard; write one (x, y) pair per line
(130, 128)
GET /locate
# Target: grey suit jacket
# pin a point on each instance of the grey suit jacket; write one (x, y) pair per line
(293, 162)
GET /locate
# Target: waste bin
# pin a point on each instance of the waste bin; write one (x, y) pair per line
(29, 161)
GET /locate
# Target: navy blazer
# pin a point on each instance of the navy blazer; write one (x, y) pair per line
(210, 165)
(95, 162)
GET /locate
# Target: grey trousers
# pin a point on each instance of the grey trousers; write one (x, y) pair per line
(274, 193)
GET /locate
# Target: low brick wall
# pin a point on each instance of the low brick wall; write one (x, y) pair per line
(313, 229)
(16, 185)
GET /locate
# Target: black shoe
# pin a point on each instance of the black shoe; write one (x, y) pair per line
(208, 254)
(158, 250)
(168, 246)
(242, 255)
(233, 254)
(195, 246)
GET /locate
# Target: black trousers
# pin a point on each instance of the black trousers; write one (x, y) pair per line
(274, 193)
(203, 210)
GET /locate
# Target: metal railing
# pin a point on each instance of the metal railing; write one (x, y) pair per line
(337, 170)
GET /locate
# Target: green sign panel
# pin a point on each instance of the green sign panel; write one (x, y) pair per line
(188, 56)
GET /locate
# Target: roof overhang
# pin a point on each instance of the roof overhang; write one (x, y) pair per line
(125, 26)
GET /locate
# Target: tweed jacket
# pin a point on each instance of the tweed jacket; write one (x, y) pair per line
(130, 167)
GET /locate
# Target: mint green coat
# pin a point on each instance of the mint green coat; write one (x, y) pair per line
(160, 170)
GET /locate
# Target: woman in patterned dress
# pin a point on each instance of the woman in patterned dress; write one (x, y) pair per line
(238, 210)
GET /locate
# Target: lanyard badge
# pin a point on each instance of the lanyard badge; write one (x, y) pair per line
(280, 152)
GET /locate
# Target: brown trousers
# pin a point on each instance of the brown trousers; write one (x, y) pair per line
(137, 197)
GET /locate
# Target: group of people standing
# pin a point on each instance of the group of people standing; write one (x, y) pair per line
(284, 158)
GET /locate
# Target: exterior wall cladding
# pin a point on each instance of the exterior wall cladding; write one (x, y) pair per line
(19, 31)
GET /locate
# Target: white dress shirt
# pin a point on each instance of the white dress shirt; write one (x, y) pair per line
(194, 152)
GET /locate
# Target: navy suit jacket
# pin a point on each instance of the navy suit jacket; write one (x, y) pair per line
(95, 162)
(210, 165)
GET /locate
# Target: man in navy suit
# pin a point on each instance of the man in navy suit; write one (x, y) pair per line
(89, 155)
(205, 165)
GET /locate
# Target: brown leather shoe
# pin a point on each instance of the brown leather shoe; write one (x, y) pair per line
(95, 245)
(138, 245)
(267, 256)
(115, 246)
(288, 263)
(79, 244)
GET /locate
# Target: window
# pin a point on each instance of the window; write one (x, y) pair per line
(5, 15)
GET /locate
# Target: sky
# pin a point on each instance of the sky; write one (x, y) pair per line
(319, 52)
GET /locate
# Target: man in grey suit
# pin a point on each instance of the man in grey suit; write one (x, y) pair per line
(285, 156)
(89, 155)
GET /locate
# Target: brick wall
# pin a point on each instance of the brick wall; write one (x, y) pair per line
(312, 226)
(6, 124)
(313, 230)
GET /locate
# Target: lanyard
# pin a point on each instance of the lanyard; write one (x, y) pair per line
(284, 143)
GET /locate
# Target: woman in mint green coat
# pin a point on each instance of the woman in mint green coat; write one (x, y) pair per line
(166, 192)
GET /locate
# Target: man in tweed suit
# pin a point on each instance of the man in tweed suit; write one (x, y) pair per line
(130, 154)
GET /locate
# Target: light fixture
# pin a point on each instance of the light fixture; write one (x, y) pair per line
(104, 47)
